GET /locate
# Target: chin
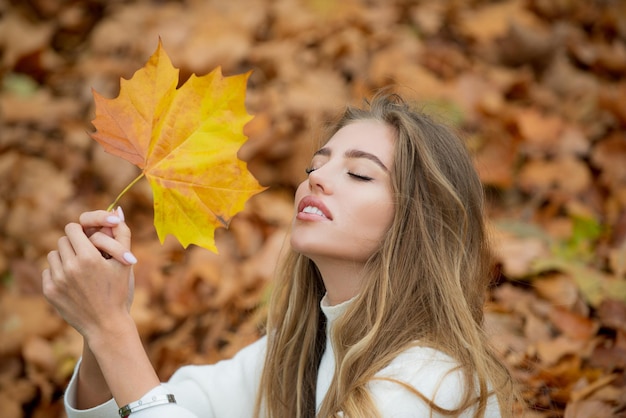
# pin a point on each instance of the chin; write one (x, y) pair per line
(312, 250)
(304, 249)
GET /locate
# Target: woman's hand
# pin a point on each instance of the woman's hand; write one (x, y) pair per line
(89, 280)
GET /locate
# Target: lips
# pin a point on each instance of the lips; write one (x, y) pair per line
(313, 206)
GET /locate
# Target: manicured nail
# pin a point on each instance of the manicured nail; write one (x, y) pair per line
(120, 213)
(112, 219)
(130, 258)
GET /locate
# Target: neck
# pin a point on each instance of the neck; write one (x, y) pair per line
(342, 279)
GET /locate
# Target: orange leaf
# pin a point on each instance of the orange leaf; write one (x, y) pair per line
(185, 141)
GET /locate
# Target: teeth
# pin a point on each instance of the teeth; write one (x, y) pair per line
(313, 209)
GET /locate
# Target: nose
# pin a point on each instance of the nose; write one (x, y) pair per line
(320, 180)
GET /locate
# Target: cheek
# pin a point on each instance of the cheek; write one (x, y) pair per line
(376, 218)
(368, 232)
(386, 216)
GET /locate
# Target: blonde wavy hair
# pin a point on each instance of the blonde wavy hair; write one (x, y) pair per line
(425, 285)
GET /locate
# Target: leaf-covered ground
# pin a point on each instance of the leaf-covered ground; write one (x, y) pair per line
(538, 86)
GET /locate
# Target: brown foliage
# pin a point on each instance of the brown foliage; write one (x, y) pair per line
(538, 85)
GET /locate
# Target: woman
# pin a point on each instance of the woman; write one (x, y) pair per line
(377, 311)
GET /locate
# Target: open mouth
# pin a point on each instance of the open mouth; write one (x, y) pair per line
(314, 206)
(313, 210)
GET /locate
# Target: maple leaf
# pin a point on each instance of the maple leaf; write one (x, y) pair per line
(185, 140)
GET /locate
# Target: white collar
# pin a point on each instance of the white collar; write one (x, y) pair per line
(335, 311)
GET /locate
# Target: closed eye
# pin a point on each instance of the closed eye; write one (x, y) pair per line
(355, 176)
(359, 177)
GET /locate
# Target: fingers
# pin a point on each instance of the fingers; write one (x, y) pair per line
(78, 243)
(111, 224)
(55, 265)
(51, 275)
(65, 249)
(101, 218)
(121, 232)
(84, 287)
(47, 285)
(46, 282)
(113, 246)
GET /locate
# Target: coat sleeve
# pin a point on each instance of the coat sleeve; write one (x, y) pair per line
(227, 388)
(429, 372)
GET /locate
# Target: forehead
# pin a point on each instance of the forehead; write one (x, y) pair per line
(370, 136)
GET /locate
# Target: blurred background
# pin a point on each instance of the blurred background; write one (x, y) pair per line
(537, 86)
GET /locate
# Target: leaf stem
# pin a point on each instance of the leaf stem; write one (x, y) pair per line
(119, 196)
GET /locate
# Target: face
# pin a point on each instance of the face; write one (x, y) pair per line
(345, 206)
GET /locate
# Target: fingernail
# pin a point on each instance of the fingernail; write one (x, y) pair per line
(120, 213)
(112, 219)
(130, 258)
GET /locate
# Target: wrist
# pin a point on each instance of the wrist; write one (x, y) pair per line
(92, 388)
(120, 354)
(116, 331)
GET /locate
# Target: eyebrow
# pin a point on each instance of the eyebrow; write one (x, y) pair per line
(354, 153)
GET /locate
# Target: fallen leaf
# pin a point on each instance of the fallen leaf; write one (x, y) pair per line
(609, 156)
(541, 132)
(20, 392)
(39, 194)
(537, 329)
(612, 314)
(614, 100)
(567, 173)
(551, 351)
(608, 356)
(495, 160)
(19, 37)
(185, 141)
(588, 389)
(11, 407)
(575, 326)
(38, 352)
(558, 288)
(517, 253)
(492, 21)
(41, 108)
(617, 261)
(586, 409)
(592, 284)
(428, 17)
(525, 44)
(22, 317)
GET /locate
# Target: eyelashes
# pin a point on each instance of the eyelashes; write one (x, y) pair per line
(359, 177)
(354, 176)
